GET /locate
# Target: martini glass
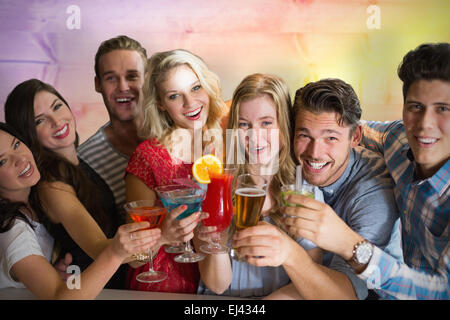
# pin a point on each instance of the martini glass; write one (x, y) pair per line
(173, 196)
(142, 210)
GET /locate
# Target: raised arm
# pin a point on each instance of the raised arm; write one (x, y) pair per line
(63, 206)
(136, 189)
(384, 272)
(215, 269)
(310, 278)
(39, 276)
(375, 134)
(393, 278)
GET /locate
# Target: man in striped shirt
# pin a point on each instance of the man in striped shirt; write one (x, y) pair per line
(417, 152)
(120, 67)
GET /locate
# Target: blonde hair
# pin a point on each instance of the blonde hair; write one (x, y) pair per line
(254, 86)
(119, 43)
(157, 123)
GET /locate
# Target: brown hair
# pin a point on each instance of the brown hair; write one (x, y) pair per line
(330, 95)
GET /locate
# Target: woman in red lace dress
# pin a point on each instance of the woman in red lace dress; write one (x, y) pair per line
(182, 101)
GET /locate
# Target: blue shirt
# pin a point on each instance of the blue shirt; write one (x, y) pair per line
(424, 211)
(363, 198)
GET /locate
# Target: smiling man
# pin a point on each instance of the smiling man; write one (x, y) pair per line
(120, 69)
(357, 190)
(356, 185)
(417, 154)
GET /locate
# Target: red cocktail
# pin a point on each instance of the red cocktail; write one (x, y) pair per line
(219, 205)
(152, 215)
(143, 211)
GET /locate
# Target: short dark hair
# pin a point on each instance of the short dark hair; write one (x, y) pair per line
(119, 43)
(330, 95)
(427, 62)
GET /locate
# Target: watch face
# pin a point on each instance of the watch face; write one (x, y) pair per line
(364, 252)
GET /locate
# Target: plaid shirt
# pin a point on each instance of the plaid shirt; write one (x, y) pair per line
(424, 211)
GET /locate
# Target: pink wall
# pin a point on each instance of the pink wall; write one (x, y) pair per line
(361, 42)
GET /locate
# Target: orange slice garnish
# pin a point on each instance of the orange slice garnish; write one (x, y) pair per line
(204, 165)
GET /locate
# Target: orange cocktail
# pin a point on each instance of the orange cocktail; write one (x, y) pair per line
(142, 210)
(153, 215)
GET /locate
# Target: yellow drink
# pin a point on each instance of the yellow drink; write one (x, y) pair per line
(249, 202)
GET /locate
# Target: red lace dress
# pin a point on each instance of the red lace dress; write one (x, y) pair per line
(152, 163)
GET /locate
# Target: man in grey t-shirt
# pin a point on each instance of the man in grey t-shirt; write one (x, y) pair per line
(120, 68)
(355, 183)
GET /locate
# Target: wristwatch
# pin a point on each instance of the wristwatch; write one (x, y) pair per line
(362, 252)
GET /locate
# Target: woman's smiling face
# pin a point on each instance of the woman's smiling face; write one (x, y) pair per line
(259, 129)
(183, 97)
(55, 123)
(18, 170)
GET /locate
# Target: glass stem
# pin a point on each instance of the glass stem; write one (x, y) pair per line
(150, 260)
(215, 239)
(187, 246)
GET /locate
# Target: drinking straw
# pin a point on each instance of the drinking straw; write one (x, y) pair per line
(298, 178)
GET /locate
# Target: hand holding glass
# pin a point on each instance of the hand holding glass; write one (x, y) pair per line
(286, 190)
(173, 196)
(143, 210)
(249, 198)
(219, 205)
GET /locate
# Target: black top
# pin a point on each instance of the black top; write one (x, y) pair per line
(107, 219)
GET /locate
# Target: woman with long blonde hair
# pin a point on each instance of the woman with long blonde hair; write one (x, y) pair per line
(261, 120)
(182, 103)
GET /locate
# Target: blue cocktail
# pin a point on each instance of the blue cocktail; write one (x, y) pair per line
(173, 196)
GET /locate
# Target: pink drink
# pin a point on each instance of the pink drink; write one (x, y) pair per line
(218, 202)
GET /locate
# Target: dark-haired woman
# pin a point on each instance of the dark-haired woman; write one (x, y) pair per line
(78, 203)
(25, 245)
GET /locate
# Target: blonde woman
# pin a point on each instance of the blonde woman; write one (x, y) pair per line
(182, 105)
(261, 119)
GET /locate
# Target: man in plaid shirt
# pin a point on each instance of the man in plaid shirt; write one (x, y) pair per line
(417, 152)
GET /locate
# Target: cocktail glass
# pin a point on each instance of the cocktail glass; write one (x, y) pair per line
(249, 198)
(288, 189)
(142, 210)
(173, 196)
(306, 190)
(219, 205)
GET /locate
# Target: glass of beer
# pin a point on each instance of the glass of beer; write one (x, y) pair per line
(249, 199)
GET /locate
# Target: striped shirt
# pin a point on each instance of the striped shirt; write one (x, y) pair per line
(108, 162)
(424, 211)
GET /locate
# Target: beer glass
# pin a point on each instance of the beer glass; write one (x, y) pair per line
(249, 199)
